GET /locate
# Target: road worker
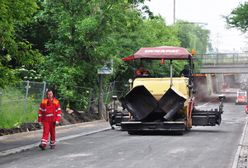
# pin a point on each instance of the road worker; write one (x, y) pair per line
(185, 72)
(141, 71)
(49, 116)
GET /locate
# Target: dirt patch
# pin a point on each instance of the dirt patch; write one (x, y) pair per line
(22, 128)
(73, 116)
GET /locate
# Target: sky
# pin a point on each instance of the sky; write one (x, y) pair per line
(208, 13)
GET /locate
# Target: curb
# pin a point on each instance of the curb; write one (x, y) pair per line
(27, 147)
(237, 155)
(57, 128)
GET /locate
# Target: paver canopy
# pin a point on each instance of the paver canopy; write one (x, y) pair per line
(163, 52)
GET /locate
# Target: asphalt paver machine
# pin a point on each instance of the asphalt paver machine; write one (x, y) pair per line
(162, 103)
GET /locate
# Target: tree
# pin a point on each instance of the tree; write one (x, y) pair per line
(193, 36)
(238, 17)
(151, 32)
(15, 51)
(80, 36)
(83, 36)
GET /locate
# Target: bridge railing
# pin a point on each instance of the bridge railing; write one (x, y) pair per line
(222, 58)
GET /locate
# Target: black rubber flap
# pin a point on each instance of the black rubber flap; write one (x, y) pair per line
(140, 102)
(170, 100)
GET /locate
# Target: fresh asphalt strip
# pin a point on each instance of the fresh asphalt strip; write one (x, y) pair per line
(27, 147)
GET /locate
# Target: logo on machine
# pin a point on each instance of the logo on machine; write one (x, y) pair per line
(162, 51)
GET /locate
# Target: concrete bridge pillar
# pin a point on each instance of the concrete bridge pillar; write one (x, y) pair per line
(220, 82)
(215, 83)
(209, 84)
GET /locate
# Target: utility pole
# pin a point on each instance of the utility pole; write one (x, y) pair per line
(100, 99)
(217, 47)
(174, 11)
(105, 70)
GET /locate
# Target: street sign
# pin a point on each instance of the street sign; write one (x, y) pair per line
(104, 70)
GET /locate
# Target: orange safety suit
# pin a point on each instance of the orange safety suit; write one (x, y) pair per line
(141, 72)
(49, 114)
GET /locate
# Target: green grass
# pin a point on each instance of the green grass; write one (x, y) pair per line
(13, 114)
(15, 110)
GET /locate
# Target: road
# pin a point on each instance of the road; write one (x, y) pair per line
(201, 147)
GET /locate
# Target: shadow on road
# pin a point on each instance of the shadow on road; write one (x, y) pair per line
(209, 131)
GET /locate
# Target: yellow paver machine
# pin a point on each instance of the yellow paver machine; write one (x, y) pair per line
(162, 103)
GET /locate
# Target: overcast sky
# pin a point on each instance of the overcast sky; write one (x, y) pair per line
(208, 12)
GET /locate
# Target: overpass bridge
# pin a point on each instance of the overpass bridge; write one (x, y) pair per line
(223, 69)
(223, 63)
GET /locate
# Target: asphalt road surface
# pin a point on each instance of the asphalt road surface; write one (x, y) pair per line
(210, 147)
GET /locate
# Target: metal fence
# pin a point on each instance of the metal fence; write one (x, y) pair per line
(116, 88)
(25, 95)
(223, 58)
(28, 92)
(20, 102)
(81, 101)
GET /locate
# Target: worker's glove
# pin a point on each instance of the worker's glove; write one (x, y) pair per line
(40, 124)
(57, 123)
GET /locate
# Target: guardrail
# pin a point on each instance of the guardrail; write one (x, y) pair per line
(222, 58)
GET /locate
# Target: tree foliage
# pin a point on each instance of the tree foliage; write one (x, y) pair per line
(239, 17)
(77, 37)
(84, 36)
(15, 51)
(193, 36)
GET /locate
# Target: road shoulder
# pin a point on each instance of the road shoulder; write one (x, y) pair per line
(19, 142)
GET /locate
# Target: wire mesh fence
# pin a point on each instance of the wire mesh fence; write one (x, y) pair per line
(116, 88)
(19, 103)
(82, 98)
(25, 93)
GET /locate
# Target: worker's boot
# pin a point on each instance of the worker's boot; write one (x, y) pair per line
(52, 146)
(42, 146)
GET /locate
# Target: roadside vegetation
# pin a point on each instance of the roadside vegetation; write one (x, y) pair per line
(15, 109)
(238, 17)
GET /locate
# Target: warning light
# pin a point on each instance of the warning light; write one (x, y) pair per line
(193, 52)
